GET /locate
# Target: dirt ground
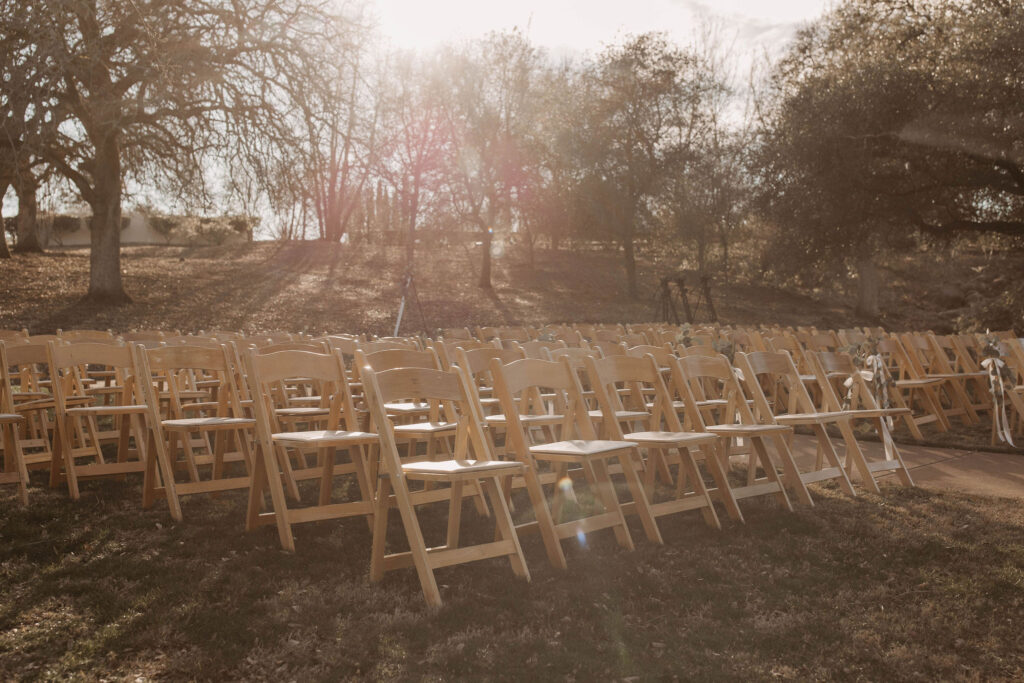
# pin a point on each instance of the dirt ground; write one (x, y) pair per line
(329, 287)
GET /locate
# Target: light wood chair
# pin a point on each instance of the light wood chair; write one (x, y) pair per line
(160, 371)
(913, 389)
(664, 447)
(272, 472)
(834, 369)
(417, 421)
(777, 368)
(461, 472)
(15, 471)
(579, 448)
(926, 361)
(694, 372)
(77, 426)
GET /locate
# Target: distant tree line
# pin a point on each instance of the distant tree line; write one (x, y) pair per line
(883, 121)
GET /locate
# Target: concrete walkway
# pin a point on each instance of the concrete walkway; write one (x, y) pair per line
(947, 469)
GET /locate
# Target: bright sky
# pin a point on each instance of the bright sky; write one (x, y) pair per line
(575, 26)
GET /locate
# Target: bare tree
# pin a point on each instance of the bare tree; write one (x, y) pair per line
(153, 89)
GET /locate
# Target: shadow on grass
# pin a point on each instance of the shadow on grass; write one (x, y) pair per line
(912, 584)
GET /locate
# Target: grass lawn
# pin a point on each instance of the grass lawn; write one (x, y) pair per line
(912, 585)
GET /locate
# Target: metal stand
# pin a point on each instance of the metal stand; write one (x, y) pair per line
(409, 284)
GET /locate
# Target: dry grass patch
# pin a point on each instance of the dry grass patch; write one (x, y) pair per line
(913, 585)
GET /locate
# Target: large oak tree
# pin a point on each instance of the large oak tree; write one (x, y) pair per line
(155, 90)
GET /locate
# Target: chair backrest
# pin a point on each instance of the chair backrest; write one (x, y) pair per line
(607, 348)
(267, 371)
(446, 349)
(476, 361)
(389, 359)
(636, 374)
(164, 365)
(776, 371)
(191, 340)
(519, 334)
(225, 335)
(435, 386)
(314, 347)
(700, 350)
(68, 363)
(692, 375)
(28, 361)
(6, 386)
(523, 377)
(661, 353)
(535, 349)
(85, 335)
(13, 335)
(456, 334)
(375, 346)
(145, 335)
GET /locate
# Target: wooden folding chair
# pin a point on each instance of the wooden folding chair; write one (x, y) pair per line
(926, 361)
(418, 421)
(271, 468)
(588, 454)
(72, 336)
(665, 448)
(777, 368)
(912, 387)
(695, 372)
(838, 368)
(78, 433)
(23, 370)
(15, 471)
(482, 473)
(446, 350)
(165, 370)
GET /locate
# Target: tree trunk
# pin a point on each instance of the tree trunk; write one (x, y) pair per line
(28, 225)
(485, 267)
(105, 284)
(868, 285)
(629, 257)
(5, 252)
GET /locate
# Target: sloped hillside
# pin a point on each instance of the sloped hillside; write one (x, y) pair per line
(318, 287)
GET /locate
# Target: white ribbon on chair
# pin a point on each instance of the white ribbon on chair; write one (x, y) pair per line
(877, 375)
(1001, 423)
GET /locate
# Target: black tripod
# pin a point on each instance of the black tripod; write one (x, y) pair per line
(409, 285)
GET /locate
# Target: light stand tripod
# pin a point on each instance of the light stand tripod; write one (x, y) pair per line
(409, 284)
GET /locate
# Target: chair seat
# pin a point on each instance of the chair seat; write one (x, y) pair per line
(868, 413)
(196, 423)
(302, 412)
(956, 375)
(407, 408)
(45, 403)
(107, 410)
(911, 383)
(425, 428)
(664, 438)
(323, 437)
(460, 469)
(580, 448)
(813, 418)
(305, 400)
(188, 394)
(621, 414)
(9, 418)
(29, 395)
(527, 419)
(676, 405)
(748, 430)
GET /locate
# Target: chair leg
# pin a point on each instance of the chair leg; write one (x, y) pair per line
(640, 501)
(503, 524)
